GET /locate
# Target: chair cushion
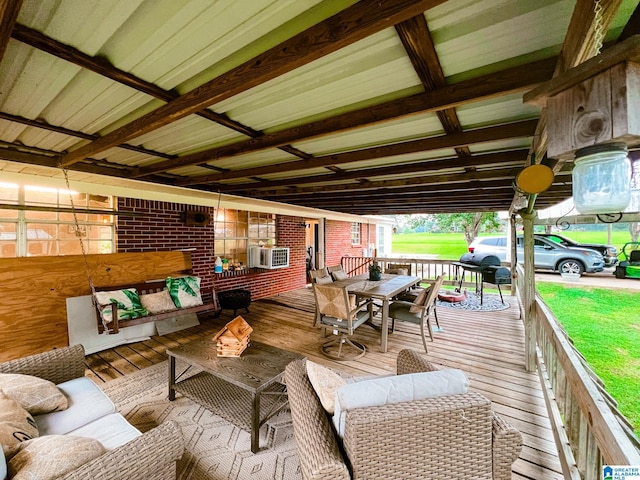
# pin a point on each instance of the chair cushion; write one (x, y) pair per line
(419, 301)
(402, 311)
(325, 382)
(339, 275)
(52, 456)
(324, 280)
(111, 431)
(36, 395)
(397, 389)
(16, 426)
(3, 467)
(87, 402)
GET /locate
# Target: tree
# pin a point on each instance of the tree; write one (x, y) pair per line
(634, 230)
(470, 223)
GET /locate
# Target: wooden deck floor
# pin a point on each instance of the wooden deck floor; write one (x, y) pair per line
(488, 346)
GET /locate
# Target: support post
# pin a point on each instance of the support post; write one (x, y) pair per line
(529, 293)
(512, 255)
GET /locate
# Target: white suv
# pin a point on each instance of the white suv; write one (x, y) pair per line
(547, 254)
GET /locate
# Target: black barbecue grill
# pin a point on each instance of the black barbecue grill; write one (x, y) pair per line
(488, 270)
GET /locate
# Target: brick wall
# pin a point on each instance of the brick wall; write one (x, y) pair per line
(338, 240)
(160, 227)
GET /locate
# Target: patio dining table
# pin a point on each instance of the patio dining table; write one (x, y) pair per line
(384, 289)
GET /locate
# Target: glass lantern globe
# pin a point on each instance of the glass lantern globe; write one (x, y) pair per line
(602, 179)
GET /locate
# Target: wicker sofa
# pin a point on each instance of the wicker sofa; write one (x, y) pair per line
(455, 436)
(149, 455)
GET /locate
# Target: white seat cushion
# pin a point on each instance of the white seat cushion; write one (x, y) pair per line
(87, 402)
(111, 431)
(3, 467)
(397, 389)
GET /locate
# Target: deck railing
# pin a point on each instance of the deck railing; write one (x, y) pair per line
(427, 269)
(589, 430)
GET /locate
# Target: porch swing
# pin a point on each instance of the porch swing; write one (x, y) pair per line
(106, 303)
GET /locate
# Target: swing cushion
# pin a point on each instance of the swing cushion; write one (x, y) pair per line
(185, 291)
(128, 303)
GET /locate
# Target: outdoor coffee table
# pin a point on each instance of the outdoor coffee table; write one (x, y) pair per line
(234, 387)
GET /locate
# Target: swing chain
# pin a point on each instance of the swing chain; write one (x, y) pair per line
(79, 235)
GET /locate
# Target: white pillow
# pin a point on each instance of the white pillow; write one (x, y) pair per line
(325, 382)
(340, 275)
(397, 389)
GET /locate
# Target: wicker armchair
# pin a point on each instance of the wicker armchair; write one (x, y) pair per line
(151, 455)
(456, 436)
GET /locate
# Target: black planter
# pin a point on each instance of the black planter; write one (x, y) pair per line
(375, 276)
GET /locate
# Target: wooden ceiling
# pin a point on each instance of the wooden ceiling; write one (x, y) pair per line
(406, 138)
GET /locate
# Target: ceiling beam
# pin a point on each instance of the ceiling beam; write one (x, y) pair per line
(103, 67)
(416, 38)
(508, 173)
(523, 128)
(510, 80)
(9, 10)
(344, 28)
(73, 133)
(510, 159)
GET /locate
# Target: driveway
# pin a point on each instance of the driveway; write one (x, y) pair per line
(604, 279)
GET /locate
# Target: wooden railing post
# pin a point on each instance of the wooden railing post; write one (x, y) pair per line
(529, 294)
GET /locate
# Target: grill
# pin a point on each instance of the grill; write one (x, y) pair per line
(488, 270)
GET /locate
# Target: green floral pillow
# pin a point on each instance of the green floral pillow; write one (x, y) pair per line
(185, 291)
(127, 301)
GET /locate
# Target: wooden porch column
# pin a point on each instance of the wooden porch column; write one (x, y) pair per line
(321, 244)
(529, 291)
(511, 246)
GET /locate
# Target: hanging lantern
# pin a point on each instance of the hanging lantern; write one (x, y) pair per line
(602, 179)
(592, 116)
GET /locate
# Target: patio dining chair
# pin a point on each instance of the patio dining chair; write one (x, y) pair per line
(419, 311)
(340, 314)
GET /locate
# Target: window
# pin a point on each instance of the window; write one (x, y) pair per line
(43, 222)
(355, 234)
(236, 230)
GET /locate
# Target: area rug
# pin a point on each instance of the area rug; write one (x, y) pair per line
(490, 303)
(215, 449)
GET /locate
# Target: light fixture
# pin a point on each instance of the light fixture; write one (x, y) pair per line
(602, 179)
(534, 179)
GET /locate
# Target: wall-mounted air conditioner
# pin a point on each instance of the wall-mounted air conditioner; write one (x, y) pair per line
(262, 257)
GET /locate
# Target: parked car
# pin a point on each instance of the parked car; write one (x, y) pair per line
(608, 252)
(547, 254)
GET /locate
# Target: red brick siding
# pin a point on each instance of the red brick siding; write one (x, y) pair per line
(338, 240)
(160, 227)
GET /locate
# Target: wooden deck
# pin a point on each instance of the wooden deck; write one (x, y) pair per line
(488, 346)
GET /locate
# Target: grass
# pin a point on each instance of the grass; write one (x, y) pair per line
(449, 246)
(604, 325)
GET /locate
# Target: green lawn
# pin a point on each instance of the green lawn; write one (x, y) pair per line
(604, 325)
(448, 246)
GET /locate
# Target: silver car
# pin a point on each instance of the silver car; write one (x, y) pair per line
(547, 254)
